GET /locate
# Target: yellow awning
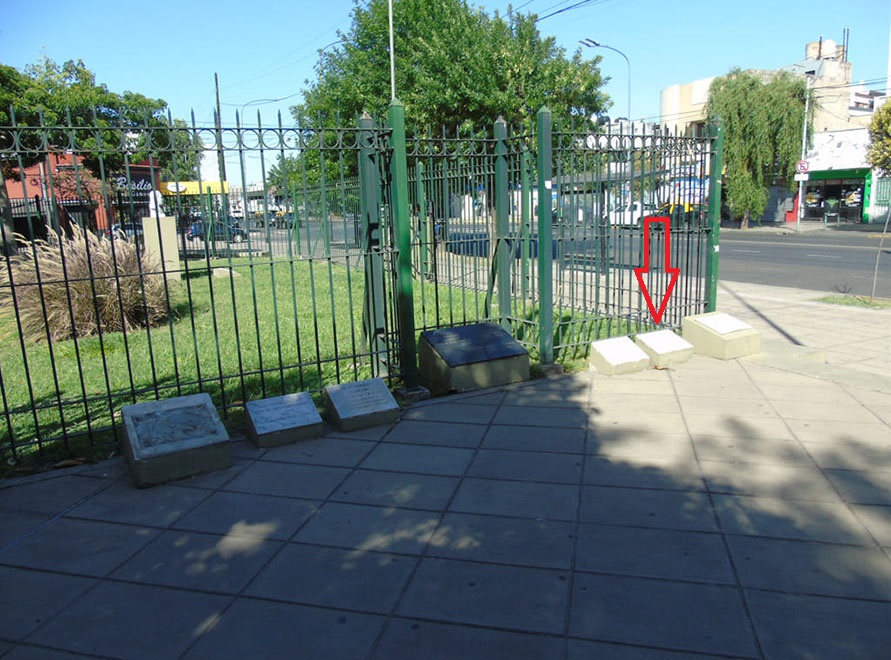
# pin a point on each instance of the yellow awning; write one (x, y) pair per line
(194, 187)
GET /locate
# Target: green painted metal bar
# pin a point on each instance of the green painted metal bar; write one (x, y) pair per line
(401, 210)
(423, 227)
(545, 237)
(502, 254)
(713, 244)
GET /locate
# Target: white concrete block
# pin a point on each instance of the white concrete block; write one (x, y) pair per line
(280, 420)
(664, 347)
(618, 355)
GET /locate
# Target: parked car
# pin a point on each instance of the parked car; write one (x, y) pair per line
(222, 231)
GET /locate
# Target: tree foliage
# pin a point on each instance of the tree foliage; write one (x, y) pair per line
(454, 64)
(762, 127)
(879, 153)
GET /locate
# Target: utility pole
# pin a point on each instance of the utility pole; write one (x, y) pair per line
(807, 99)
(219, 126)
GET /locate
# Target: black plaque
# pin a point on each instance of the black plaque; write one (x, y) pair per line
(469, 344)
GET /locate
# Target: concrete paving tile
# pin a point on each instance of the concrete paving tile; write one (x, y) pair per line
(818, 410)
(372, 434)
(630, 387)
(669, 615)
(708, 405)
(585, 650)
(830, 522)
(283, 631)
(467, 413)
(217, 478)
(751, 450)
(15, 524)
(447, 434)
(489, 398)
(728, 423)
(246, 514)
(446, 461)
(524, 599)
(48, 496)
(643, 472)
(526, 466)
(812, 391)
(667, 509)
(784, 481)
(877, 520)
(335, 452)
(415, 491)
(313, 482)
(84, 547)
(372, 528)
(201, 562)
(122, 502)
(556, 394)
(719, 389)
(133, 621)
(499, 540)
(542, 417)
(610, 402)
(30, 598)
(867, 396)
(839, 432)
(637, 422)
(851, 455)
(523, 499)
(331, 577)
(657, 553)
(806, 567)
(31, 652)
(861, 486)
(792, 627)
(569, 441)
(405, 639)
(667, 446)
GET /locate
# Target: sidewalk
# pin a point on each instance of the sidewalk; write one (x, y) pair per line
(735, 509)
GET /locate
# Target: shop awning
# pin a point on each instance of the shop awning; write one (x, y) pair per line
(828, 175)
(194, 187)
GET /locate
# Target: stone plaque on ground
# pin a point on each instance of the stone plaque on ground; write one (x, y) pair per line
(617, 355)
(470, 357)
(664, 347)
(353, 406)
(279, 420)
(174, 438)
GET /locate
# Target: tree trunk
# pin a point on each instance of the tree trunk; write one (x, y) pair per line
(7, 229)
(745, 220)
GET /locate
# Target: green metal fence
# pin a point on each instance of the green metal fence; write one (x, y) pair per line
(320, 257)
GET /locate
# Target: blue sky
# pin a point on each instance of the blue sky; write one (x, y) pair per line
(266, 49)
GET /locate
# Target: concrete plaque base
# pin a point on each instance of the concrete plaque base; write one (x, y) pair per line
(174, 438)
(721, 336)
(664, 347)
(284, 419)
(470, 357)
(618, 355)
(353, 406)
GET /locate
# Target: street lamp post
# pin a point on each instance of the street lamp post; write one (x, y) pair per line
(590, 43)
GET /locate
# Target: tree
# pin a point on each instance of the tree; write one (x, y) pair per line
(454, 64)
(879, 153)
(67, 100)
(762, 128)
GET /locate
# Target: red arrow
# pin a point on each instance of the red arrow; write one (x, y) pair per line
(674, 273)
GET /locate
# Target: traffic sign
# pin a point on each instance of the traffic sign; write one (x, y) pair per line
(802, 166)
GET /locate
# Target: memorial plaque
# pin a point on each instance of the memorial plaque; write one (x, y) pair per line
(353, 406)
(722, 323)
(664, 347)
(283, 419)
(617, 355)
(470, 357)
(174, 438)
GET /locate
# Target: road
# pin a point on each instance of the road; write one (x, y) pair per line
(825, 261)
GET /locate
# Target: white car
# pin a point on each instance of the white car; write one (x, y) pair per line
(629, 214)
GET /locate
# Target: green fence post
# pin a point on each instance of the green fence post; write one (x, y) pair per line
(545, 237)
(401, 211)
(713, 244)
(374, 319)
(503, 250)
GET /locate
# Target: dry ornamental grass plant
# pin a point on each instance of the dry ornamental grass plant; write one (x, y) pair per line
(81, 286)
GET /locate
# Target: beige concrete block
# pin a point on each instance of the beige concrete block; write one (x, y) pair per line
(721, 336)
(664, 347)
(618, 355)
